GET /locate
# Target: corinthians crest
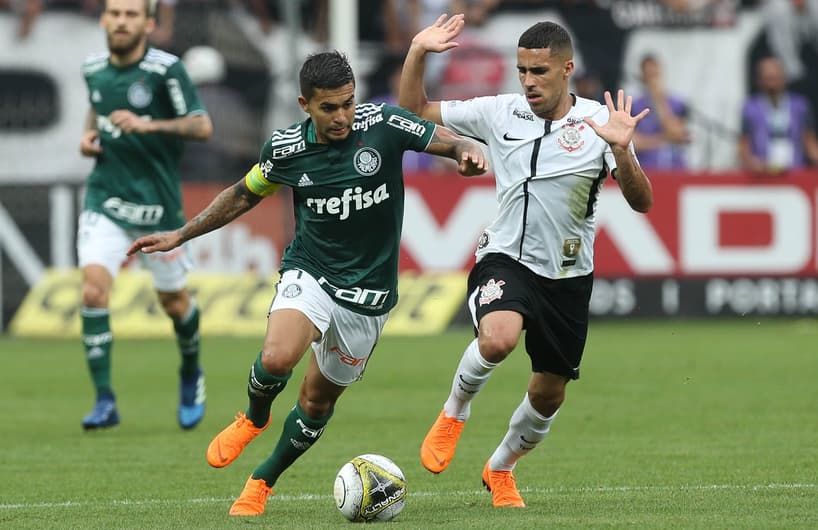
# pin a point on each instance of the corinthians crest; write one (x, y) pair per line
(367, 161)
(570, 137)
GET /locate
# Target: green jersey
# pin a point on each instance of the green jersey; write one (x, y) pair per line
(348, 202)
(135, 180)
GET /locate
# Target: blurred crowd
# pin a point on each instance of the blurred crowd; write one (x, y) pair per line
(233, 50)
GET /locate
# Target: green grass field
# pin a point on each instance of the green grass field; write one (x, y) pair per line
(673, 425)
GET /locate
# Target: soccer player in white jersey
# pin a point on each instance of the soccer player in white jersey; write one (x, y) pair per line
(551, 153)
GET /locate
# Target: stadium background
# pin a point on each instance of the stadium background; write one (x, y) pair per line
(719, 242)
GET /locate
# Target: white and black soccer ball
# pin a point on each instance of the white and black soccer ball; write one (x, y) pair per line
(370, 488)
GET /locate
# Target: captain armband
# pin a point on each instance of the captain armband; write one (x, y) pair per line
(256, 183)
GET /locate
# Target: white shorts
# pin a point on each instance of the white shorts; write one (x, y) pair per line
(100, 241)
(347, 338)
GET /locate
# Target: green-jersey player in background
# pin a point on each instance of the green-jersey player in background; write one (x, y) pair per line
(339, 275)
(143, 107)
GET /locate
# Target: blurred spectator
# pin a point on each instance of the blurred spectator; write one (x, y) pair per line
(383, 85)
(777, 129)
(660, 136)
(29, 10)
(598, 39)
(162, 35)
(237, 128)
(312, 14)
(402, 19)
(588, 85)
(792, 36)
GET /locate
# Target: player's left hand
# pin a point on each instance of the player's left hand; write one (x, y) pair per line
(618, 132)
(130, 122)
(158, 242)
(472, 162)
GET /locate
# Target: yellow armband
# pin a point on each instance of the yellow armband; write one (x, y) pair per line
(259, 185)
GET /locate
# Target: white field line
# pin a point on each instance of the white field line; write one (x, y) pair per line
(460, 493)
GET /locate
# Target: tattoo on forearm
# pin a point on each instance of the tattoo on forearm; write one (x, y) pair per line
(446, 143)
(228, 205)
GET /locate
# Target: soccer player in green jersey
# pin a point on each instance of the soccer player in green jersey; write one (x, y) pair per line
(143, 107)
(339, 274)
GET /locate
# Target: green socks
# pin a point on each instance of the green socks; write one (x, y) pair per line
(262, 388)
(300, 432)
(187, 337)
(97, 339)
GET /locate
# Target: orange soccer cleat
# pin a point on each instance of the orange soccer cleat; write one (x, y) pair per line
(228, 444)
(253, 498)
(438, 447)
(503, 488)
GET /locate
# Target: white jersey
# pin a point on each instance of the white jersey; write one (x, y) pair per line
(548, 177)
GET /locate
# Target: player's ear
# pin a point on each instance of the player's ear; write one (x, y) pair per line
(302, 101)
(150, 25)
(568, 68)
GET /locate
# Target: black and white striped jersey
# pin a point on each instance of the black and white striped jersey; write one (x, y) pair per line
(548, 177)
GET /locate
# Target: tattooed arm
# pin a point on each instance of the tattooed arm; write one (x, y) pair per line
(190, 127)
(228, 205)
(469, 156)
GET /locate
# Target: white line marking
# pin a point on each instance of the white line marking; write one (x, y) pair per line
(460, 493)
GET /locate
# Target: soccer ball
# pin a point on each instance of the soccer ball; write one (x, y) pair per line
(370, 488)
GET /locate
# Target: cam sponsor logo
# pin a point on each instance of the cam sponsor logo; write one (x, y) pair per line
(287, 150)
(136, 214)
(373, 298)
(405, 124)
(351, 199)
(346, 358)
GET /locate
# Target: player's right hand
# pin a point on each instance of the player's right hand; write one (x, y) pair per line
(89, 145)
(438, 37)
(158, 242)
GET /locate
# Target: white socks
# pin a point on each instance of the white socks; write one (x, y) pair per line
(472, 373)
(526, 429)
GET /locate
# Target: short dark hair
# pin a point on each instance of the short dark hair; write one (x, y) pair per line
(150, 7)
(547, 35)
(324, 70)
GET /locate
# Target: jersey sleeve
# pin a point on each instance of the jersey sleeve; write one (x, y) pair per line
(471, 117)
(182, 91)
(415, 132)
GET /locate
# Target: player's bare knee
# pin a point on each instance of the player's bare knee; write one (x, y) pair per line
(276, 361)
(175, 305)
(94, 295)
(497, 347)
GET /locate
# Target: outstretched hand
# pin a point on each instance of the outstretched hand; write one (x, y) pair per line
(158, 242)
(618, 132)
(438, 37)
